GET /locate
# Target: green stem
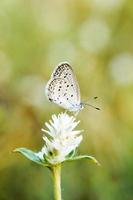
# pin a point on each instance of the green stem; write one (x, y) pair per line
(57, 181)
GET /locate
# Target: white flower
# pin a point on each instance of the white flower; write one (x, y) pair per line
(61, 138)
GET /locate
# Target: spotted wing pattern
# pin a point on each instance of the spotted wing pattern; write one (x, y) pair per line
(63, 88)
(65, 71)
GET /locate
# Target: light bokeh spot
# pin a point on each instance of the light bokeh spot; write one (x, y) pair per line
(121, 68)
(31, 91)
(94, 35)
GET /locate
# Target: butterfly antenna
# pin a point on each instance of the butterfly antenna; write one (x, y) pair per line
(93, 98)
(92, 106)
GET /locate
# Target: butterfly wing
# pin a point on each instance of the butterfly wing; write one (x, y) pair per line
(57, 91)
(65, 72)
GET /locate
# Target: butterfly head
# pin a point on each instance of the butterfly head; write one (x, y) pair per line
(82, 105)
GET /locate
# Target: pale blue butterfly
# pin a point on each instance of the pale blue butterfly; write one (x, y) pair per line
(63, 89)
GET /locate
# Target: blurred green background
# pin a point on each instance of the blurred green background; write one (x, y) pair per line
(96, 38)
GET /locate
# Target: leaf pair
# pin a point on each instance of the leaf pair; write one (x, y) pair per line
(35, 157)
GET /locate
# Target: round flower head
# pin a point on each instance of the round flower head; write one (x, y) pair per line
(61, 139)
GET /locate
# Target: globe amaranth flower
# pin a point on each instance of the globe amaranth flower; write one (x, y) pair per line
(60, 138)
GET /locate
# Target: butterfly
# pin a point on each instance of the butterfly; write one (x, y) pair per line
(63, 89)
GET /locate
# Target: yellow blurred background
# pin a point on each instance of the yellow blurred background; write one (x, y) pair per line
(96, 38)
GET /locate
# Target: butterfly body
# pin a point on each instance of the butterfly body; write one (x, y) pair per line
(76, 107)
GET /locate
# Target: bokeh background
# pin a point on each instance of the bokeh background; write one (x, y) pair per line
(96, 37)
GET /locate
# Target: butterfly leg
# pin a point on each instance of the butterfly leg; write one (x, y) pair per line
(76, 113)
(65, 111)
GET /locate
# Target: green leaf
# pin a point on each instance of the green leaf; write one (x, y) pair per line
(31, 156)
(91, 158)
(71, 154)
